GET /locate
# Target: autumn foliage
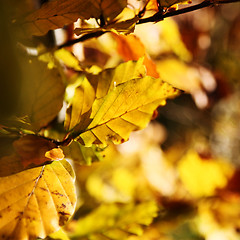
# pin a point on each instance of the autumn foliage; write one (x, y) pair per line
(119, 122)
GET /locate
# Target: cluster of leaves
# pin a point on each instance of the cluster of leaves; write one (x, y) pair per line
(55, 106)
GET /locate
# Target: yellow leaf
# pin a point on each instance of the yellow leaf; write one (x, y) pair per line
(81, 103)
(112, 185)
(202, 177)
(36, 202)
(116, 221)
(125, 102)
(152, 5)
(83, 155)
(59, 235)
(84, 95)
(179, 74)
(68, 59)
(126, 108)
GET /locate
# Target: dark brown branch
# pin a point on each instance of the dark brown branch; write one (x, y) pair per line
(81, 39)
(159, 16)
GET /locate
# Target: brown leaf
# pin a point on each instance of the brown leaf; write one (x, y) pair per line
(34, 150)
(58, 13)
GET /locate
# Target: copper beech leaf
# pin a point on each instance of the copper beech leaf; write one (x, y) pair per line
(125, 102)
(34, 150)
(36, 202)
(58, 13)
(25, 152)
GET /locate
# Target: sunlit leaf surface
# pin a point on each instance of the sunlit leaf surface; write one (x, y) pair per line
(35, 202)
(125, 101)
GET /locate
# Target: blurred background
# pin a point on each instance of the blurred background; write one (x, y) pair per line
(187, 160)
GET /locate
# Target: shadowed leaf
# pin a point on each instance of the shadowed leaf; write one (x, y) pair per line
(153, 4)
(125, 27)
(25, 152)
(41, 94)
(82, 154)
(58, 13)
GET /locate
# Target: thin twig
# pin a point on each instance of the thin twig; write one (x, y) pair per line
(82, 39)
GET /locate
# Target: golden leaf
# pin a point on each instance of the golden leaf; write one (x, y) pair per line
(125, 102)
(36, 202)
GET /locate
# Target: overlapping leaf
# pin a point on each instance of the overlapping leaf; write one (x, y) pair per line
(82, 154)
(55, 14)
(131, 48)
(41, 93)
(125, 101)
(125, 27)
(35, 202)
(34, 150)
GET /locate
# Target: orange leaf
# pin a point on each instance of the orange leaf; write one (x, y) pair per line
(131, 48)
(34, 150)
(55, 154)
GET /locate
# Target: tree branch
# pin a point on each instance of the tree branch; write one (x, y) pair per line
(159, 16)
(81, 39)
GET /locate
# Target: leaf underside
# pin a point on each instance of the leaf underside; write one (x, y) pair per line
(58, 13)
